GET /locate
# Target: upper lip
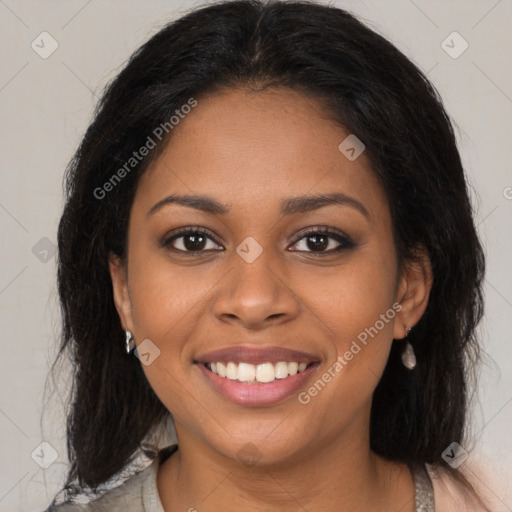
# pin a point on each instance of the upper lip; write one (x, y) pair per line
(255, 355)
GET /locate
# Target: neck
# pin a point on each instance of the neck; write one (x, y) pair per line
(340, 475)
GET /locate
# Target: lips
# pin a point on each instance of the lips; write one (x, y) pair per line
(252, 392)
(256, 355)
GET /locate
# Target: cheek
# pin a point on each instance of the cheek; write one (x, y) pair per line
(164, 296)
(165, 308)
(356, 302)
(352, 296)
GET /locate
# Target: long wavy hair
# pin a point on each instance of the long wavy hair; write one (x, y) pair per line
(368, 86)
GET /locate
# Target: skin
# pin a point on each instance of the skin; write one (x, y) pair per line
(249, 151)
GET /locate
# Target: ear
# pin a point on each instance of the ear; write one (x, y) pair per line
(413, 293)
(119, 277)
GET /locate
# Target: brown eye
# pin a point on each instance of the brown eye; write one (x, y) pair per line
(319, 240)
(194, 241)
(191, 240)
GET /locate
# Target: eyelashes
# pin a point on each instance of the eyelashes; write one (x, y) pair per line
(343, 240)
(196, 240)
(198, 232)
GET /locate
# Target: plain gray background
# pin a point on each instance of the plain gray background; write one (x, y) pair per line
(46, 105)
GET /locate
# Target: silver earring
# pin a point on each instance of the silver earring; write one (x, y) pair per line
(408, 356)
(129, 342)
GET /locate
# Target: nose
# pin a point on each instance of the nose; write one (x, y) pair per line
(256, 295)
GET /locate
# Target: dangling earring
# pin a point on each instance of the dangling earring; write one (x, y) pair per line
(129, 342)
(408, 356)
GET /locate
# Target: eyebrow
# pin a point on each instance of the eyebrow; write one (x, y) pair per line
(289, 206)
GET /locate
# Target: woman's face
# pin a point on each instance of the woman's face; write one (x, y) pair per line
(257, 280)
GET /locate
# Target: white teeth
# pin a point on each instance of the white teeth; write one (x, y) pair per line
(231, 371)
(281, 370)
(221, 370)
(265, 372)
(246, 372)
(293, 368)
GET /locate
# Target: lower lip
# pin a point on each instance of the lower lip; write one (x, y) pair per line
(256, 395)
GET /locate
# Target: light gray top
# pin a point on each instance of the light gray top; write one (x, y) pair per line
(140, 494)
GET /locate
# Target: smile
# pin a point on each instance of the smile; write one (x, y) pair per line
(256, 375)
(252, 393)
(260, 373)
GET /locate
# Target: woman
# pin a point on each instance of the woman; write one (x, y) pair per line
(271, 207)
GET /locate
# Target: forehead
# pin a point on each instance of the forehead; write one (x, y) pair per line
(248, 149)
